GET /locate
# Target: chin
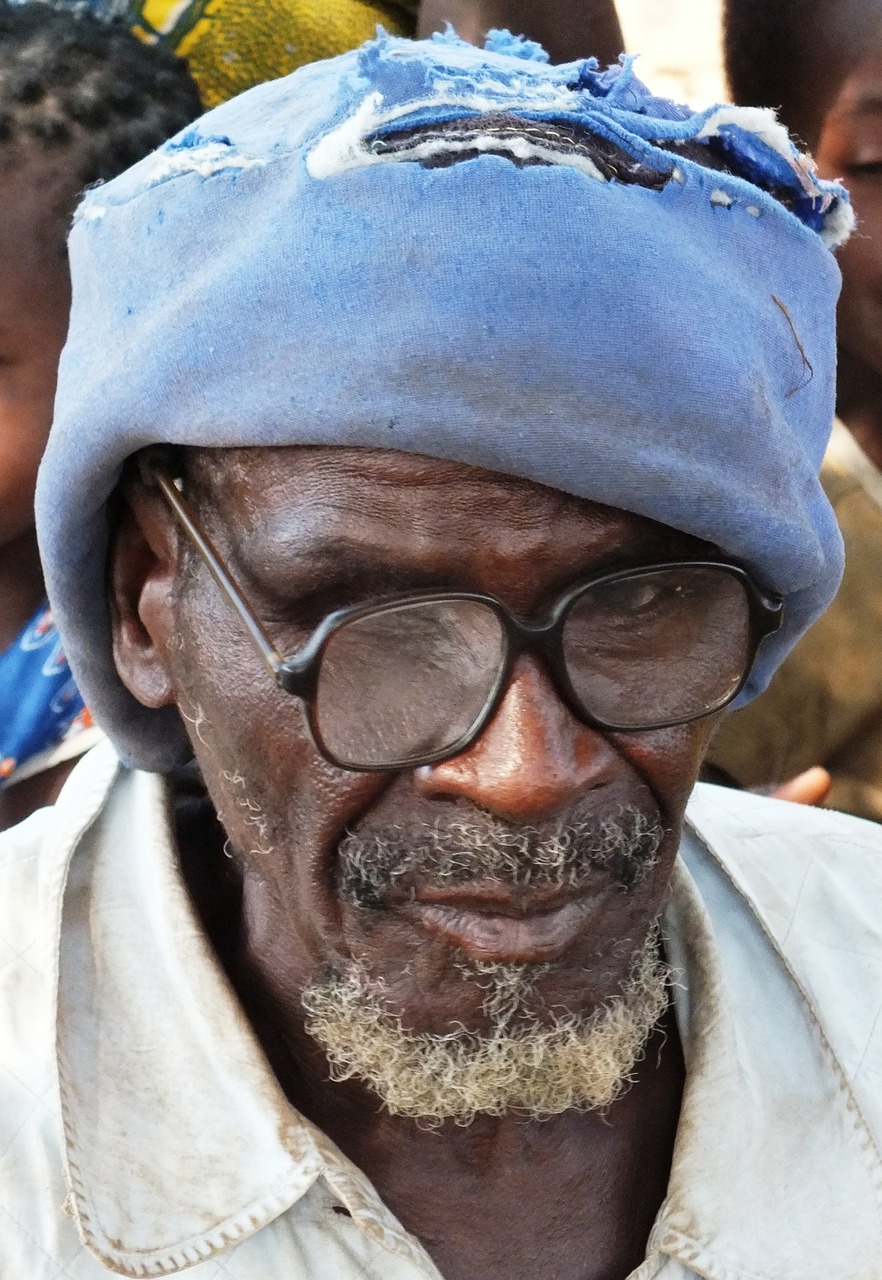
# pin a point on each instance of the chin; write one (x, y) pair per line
(526, 1054)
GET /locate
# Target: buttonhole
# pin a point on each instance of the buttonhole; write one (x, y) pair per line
(339, 1208)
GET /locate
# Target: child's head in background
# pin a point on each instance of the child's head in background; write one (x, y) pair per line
(80, 100)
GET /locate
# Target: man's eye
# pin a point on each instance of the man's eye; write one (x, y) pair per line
(631, 596)
(865, 168)
(642, 595)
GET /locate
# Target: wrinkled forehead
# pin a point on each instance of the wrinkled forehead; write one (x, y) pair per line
(272, 502)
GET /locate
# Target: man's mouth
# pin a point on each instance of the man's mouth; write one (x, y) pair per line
(496, 891)
(495, 926)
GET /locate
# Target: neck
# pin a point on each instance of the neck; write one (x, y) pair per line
(859, 404)
(574, 1195)
(504, 1197)
(610, 1169)
(21, 585)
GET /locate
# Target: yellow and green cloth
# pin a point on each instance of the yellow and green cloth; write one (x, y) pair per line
(231, 45)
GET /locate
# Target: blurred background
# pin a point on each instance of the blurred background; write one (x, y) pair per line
(680, 46)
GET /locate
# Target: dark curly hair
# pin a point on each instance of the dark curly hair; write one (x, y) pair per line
(74, 83)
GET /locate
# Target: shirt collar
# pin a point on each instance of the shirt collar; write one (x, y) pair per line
(180, 1142)
(775, 1172)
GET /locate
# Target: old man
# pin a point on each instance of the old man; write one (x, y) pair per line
(435, 459)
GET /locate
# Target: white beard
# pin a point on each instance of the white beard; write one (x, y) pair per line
(520, 1065)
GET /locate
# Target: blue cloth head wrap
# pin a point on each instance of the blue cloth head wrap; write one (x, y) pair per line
(308, 265)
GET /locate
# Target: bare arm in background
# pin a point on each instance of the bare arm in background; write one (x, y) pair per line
(567, 28)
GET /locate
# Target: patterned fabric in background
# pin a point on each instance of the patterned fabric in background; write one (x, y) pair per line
(40, 706)
(232, 45)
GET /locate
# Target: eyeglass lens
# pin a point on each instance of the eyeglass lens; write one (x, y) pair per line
(411, 681)
(408, 682)
(660, 647)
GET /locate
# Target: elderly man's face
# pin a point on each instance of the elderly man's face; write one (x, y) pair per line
(350, 872)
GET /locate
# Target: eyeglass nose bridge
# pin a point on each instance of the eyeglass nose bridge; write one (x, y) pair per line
(544, 640)
(298, 674)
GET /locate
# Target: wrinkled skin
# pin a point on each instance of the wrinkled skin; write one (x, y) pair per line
(322, 528)
(850, 147)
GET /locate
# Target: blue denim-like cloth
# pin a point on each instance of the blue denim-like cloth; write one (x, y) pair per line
(39, 701)
(269, 278)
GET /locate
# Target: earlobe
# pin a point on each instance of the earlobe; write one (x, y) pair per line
(142, 575)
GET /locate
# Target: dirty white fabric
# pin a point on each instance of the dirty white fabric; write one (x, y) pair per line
(70, 749)
(179, 1150)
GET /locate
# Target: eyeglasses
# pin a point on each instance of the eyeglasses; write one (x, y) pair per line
(414, 680)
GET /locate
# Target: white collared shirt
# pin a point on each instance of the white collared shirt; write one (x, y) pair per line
(142, 1131)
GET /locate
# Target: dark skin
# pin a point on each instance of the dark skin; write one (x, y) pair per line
(307, 530)
(565, 29)
(850, 147)
(824, 73)
(38, 192)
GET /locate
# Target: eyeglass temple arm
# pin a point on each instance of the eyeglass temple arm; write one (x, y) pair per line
(217, 568)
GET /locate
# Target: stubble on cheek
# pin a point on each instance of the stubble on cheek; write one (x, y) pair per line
(281, 806)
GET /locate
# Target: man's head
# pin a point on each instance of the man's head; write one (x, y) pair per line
(80, 100)
(536, 857)
(443, 371)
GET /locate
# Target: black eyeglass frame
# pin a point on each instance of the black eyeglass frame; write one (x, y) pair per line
(298, 673)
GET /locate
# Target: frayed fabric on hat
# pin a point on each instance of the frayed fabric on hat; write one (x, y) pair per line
(473, 255)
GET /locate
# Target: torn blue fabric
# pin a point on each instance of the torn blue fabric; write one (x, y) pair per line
(411, 247)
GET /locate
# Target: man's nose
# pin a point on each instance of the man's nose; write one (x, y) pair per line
(533, 758)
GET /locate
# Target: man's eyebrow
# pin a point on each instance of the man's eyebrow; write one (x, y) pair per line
(869, 103)
(338, 564)
(344, 565)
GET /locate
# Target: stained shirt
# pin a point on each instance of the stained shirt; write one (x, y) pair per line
(142, 1131)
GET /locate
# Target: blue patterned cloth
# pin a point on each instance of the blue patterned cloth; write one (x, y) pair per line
(40, 704)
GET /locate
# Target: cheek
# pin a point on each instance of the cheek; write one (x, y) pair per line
(669, 761)
(283, 807)
(25, 419)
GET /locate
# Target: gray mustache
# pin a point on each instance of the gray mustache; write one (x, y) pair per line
(563, 854)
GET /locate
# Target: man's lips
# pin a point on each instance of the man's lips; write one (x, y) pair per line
(508, 928)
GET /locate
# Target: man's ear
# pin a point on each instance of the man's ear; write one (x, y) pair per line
(142, 580)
